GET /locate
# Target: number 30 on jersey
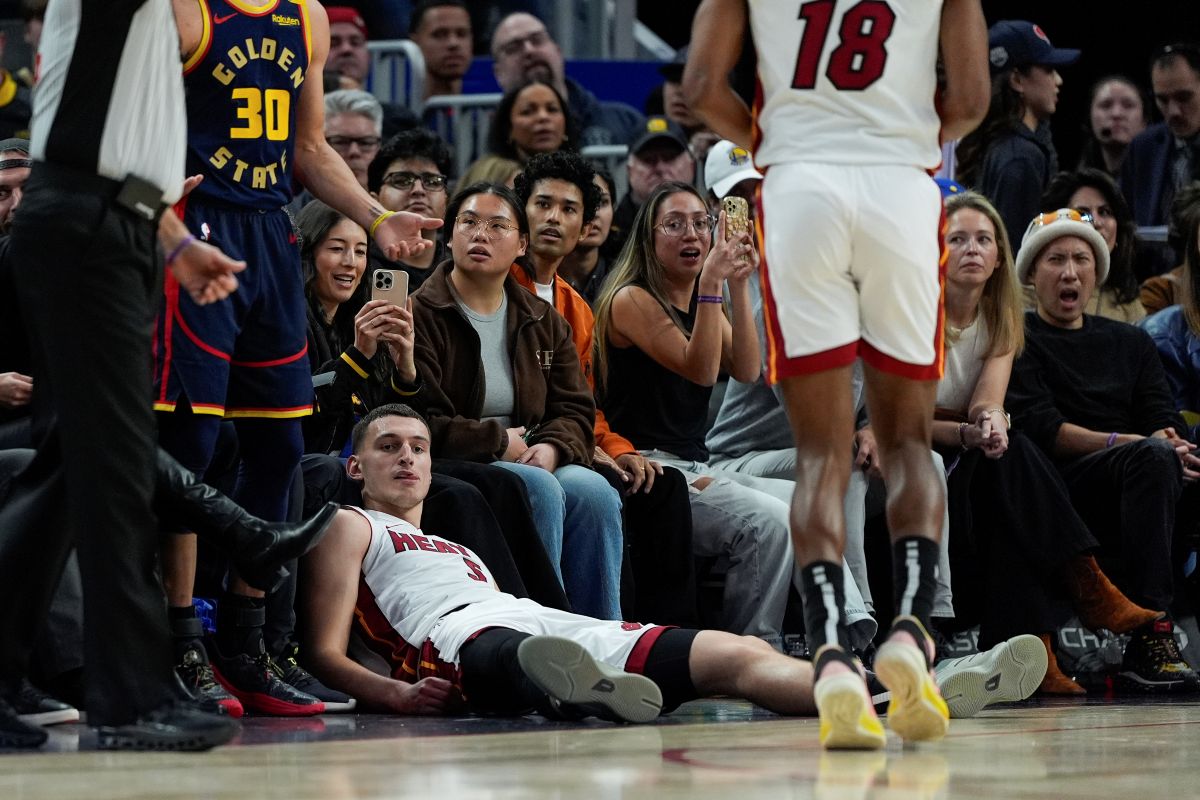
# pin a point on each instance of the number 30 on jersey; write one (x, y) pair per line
(262, 112)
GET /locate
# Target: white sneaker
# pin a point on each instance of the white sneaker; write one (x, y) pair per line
(1010, 671)
(566, 671)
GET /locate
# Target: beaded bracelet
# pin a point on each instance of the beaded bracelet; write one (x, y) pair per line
(709, 298)
(962, 439)
(179, 248)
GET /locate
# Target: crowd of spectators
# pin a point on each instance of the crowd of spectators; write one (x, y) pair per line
(564, 343)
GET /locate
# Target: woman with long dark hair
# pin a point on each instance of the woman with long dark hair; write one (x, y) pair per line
(1118, 110)
(1093, 192)
(532, 118)
(1010, 157)
(348, 336)
(502, 385)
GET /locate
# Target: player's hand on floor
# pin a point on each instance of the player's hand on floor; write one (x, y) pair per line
(426, 696)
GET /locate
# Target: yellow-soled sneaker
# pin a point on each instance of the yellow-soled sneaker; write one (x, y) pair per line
(916, 711)
(848, 719)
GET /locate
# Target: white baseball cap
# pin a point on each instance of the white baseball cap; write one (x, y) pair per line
(726, 166)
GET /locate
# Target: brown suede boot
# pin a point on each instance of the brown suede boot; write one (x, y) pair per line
(1098, 603)
(1056, 681)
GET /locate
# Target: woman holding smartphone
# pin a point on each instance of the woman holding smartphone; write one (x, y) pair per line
(501, 384)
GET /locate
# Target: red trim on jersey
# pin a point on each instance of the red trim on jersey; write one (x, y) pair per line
(755, 131)
(275, 362)
(196, 340)
(641, 650)
(382, 638)
(171, 290)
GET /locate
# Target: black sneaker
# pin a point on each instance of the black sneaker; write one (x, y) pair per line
(255, 681)
(35, 707)
(175, 726)
(290, 671)
(15, 732)
(880, 696)
(1153, 663)
(196, 672)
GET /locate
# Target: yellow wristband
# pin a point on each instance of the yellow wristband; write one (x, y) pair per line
(379, 220)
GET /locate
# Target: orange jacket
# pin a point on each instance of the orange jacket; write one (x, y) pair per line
(578, 314)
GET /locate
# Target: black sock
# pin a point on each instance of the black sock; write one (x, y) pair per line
(186, 627)
(240, 621)
(914, 576)
(492, 679)
(824, 605)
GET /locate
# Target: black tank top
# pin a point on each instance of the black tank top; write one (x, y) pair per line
(654, 407)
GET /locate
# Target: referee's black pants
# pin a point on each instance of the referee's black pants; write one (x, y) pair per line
(87, 274)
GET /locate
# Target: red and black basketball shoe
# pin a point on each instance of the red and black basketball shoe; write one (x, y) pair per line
(255, 681)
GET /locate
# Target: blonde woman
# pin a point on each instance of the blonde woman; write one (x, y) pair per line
(1015, 541)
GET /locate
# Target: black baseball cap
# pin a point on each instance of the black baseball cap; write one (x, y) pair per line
(1019, 43)
(673, 69)
(659, 128)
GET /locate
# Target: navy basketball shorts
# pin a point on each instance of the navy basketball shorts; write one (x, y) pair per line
(247, 355)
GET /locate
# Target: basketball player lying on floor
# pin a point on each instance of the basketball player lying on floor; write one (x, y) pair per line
(452, 638)
(448, 632)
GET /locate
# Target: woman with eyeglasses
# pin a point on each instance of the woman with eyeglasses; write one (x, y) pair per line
(1016, 544)
(502, 385)
(662, 339)
(1094, 193)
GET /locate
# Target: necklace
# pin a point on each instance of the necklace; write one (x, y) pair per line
(956, 331)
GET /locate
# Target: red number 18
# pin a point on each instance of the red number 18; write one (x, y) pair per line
(861, 54)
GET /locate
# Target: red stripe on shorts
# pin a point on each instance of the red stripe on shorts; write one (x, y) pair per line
(934, 370)
(641, 650)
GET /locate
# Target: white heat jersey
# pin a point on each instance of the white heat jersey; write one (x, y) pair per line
(846, 81)
(416, 579)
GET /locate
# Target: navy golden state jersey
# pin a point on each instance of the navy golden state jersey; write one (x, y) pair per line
(243, 84)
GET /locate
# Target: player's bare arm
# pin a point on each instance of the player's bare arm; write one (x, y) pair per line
(325, 174)
(964, 45)
(331, 573)
(718, 30)
(189, 18)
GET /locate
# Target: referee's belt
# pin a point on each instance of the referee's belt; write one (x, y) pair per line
(134, 194)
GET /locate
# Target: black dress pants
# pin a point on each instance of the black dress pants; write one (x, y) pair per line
(88, 274)
(1127, 495)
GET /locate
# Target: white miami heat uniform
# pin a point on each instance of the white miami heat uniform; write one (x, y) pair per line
(846, 135)
(422, 597)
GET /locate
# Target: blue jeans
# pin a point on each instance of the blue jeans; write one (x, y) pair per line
(578, 517)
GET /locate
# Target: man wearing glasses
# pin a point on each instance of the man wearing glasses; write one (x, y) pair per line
(354, 128)
(523, 50)
(409, 174)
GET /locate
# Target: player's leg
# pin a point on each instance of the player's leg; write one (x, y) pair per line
(897, 249)
(812, 320)
(742, 666)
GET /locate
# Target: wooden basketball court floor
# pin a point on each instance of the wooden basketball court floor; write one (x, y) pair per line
(1122, 748)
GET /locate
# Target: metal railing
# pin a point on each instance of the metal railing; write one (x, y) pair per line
(612, 158)
(397, 73)
(463, 122)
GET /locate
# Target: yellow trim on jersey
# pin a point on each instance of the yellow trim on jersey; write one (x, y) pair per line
(205, 39)
(362, 373)
(8, 90)
(255, 413)
(253, 9)
(303, 6)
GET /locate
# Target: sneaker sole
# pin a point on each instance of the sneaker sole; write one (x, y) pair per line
(265, 704)
(564, 670)
(58, 717)
(917, 711)
(115, 739)
(848, 720)
(343, 707)
(1132, 682)
(1012, 671)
